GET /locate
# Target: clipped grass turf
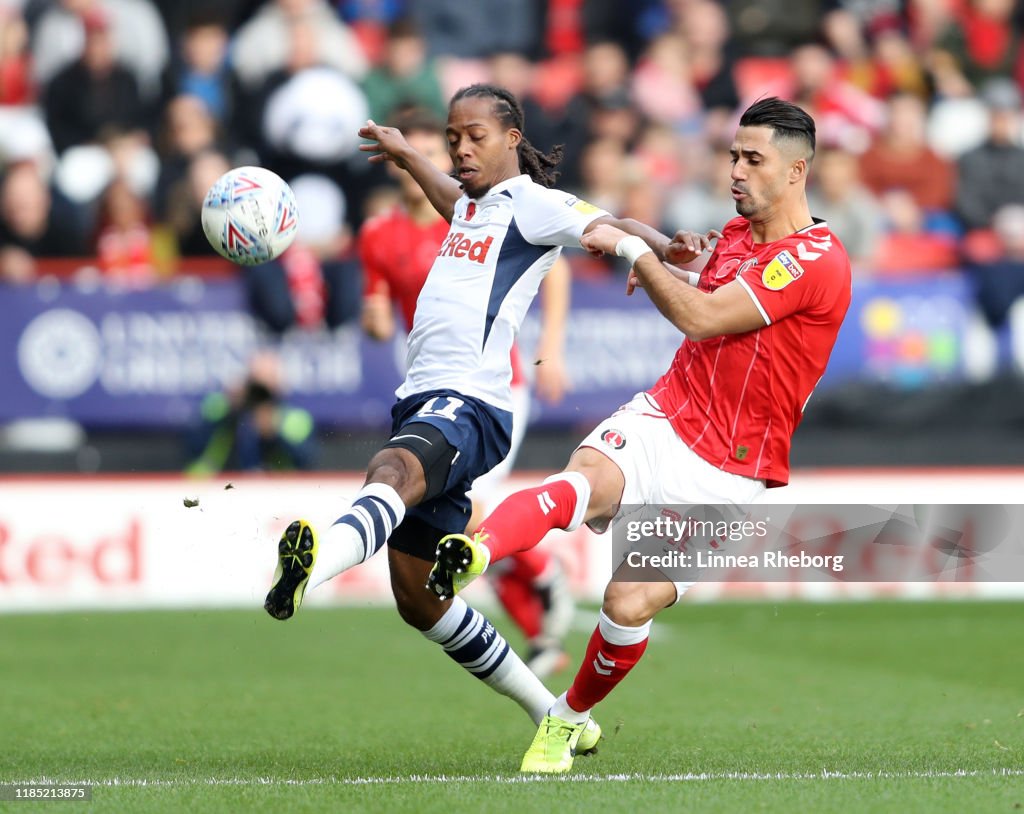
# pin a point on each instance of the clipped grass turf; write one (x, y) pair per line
(752, 707)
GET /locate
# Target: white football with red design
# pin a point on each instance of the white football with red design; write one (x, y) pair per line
(250, 215)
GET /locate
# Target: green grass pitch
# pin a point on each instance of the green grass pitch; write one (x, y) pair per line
(736, 707)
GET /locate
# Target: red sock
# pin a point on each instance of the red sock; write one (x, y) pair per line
(530, 565)
(522, 519)
(606, 664)
(515, 592)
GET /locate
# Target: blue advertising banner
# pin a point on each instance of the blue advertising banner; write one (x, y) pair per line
(108, 357)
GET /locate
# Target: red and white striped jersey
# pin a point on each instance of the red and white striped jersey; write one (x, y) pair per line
(735, 400)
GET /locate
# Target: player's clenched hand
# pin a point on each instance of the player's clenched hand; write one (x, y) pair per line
(602, 239)
(388, 143)
(688, 246)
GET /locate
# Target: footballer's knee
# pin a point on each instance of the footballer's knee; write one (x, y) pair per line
(399, 469)
(420, 612)
(633, 604)
(605, 478)
(416, 605)
(419, 458)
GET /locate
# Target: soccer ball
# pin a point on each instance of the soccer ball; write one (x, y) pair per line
(250, 215)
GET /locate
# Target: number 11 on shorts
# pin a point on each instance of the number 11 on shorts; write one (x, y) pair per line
(430, 409)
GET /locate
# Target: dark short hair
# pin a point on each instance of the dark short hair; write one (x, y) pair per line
(787, 120)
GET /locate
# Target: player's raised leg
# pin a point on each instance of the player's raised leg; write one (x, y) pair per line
(466, 635)
(399, 475)
(591, 486)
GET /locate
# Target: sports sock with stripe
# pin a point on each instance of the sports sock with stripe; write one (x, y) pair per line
(522, 519)
(473, 642)
(359, 533)
(613, 651)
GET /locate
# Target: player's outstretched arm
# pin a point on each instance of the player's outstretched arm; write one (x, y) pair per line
(698, 314)
(658, 242)
(388, 144)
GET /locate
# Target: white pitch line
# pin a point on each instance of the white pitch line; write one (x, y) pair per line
(690, 777)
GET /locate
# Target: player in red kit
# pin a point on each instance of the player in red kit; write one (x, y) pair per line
(716, 429)
(398, 248)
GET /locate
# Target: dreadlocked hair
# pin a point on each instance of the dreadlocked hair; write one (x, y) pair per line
(540, 166)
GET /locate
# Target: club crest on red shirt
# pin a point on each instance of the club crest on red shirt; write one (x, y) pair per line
(614, 439)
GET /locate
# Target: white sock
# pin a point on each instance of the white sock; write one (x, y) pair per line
(472, 641)
(561, 709)
(359, 533)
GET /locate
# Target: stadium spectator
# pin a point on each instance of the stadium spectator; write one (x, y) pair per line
(659, 152)
(200, 69)
(404, 77)
(847, 28)
(265, 44)
(841, 200)
(896, 68)
(704, 200)
(900, 158)
(138, 39)
(980, 43)
(869, 40)
(631, 25)
(397, 249)
(662, 84)
(556, 116)
(95, 94)
(642, 194)
(615, 117)
(705, 26)
(416, 485)
(603, 170)
(16, 84)
(773, 28)
(23, 134)
(907, 244)
(992, 175)
(994, 263)
(847, 117)
(312, 109)
(460, 30)
(563, 28)
(250, 427)
(188, 130)
(606, 74)
(667, 447)
(35, 222)
(369, 21)
(316, 283)
(182, 206)
(125, 249)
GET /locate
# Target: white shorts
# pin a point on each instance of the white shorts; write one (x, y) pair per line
(485, 487)
(660, 469)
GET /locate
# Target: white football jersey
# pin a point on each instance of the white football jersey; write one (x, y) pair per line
(485, 276)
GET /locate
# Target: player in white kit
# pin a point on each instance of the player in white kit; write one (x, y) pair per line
(453, 417)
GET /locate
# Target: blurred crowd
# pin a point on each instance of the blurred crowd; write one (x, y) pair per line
(117, 115)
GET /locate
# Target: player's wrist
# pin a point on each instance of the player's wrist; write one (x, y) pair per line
(632, 247)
